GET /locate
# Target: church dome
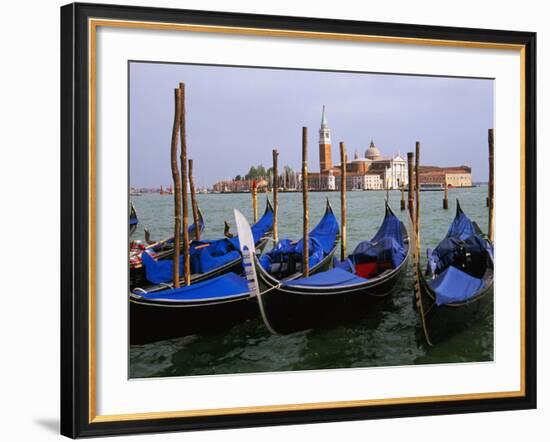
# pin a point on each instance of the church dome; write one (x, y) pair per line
(372, 153)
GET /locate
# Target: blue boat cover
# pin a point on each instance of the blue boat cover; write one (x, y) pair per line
(204, 255)
(133, 220)
(286, 248)
(459, 262)
(326, 231)
(221, 287)
(454, 285)
(461, 227)
(455, 250)
(330, 278)
(387, 245)
(202, 260)
(321, 241)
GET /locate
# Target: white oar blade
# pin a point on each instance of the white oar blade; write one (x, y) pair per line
(246, 240)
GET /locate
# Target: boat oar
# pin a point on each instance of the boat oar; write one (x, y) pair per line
(248, 250)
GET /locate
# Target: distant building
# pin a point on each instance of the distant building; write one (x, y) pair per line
(372, 172)
(459, 176)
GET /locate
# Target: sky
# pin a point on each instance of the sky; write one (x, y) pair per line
(237, 115)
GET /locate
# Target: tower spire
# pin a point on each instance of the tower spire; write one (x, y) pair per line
(325, 155)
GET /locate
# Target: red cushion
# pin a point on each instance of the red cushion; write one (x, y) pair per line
(366, 270)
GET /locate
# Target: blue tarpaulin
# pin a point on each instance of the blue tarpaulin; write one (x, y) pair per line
(330, 278)
(386, 246)
(321, 241)
(462, 227)
(459, 262)
(205, 255)
(286, 249)
(454, 285)
(326, 231)
(384, 250)
(221, 287)
(202, 260)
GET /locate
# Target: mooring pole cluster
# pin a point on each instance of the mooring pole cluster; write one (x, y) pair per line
(181, 234)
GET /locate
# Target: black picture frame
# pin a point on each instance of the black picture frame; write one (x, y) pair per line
(75, 219)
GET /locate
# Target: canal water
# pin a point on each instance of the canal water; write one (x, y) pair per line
(389, 335)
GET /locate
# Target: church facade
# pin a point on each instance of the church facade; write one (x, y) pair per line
(371, 172)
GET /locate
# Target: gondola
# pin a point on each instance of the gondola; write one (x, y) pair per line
(342, 293)
(208, 258)
(133, 219)
(284, 261)
(457, 285)
(160, 250)
(214, 300)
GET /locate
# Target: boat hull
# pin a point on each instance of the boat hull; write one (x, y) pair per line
(444, 321)
(151, 322)
(292, 309)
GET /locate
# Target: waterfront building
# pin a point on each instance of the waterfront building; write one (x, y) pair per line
(371, 172)
(457, 176)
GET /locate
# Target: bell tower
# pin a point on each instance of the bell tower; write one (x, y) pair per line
(325, 154)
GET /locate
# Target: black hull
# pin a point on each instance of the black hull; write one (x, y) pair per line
(294, 309)
(444, 321)
(152, 322)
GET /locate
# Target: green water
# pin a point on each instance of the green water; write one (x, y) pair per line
(388, 335)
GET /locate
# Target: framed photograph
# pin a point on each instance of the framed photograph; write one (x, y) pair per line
(274, 220)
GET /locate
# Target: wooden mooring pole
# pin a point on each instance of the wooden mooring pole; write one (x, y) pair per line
(446, 197)
(410, 165)
(254, 192)
(177, 192)
(194, 205)
(417, 192)
(491, 183)
(403, 205)
(275, 195)
(343, 208)
(305, 253)
(185, 209)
